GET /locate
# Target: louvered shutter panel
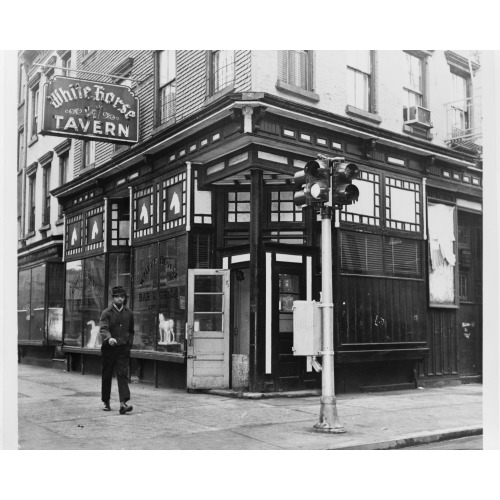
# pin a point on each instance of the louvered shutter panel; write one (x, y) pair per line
(403, 258)
(361, 253)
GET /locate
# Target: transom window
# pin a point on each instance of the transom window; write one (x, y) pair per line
(283, 208)
(295, 68)
(402, 205)
(238, 206)
(120, 222)
(359, 69)
(367, 209)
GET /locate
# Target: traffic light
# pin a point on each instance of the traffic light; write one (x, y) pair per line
(343, 191)
(313, 182)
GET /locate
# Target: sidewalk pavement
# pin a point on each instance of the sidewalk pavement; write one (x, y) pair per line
(59, 410)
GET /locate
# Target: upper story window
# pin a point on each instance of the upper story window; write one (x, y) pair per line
(20, 149)
(46, 195)
(167, 72)
(66, 63)
(88, 153)
(22, 84)
(359, 78)
(31, 202)
(295, 68)
(461, 104)
(63, 174)
(35, 91)
(221, 70)
(413, 86)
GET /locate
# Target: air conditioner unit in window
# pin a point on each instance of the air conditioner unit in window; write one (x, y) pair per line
(417, 114)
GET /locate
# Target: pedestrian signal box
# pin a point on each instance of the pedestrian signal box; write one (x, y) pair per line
(306, 328)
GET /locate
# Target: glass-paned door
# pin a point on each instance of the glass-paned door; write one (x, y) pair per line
(208, 329)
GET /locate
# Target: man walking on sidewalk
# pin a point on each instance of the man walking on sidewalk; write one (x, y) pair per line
(117, 331)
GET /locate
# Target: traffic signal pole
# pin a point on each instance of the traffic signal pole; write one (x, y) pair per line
(328, 418)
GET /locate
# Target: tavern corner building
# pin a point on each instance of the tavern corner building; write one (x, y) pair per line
(170, 173)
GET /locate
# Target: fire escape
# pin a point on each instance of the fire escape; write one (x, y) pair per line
(463, 125)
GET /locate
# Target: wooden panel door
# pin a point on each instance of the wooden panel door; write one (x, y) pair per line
(208, 329)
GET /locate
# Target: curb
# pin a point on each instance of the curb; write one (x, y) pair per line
(417, 439)
(260, 395)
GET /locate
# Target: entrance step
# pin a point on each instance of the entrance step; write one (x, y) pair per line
(59, 364)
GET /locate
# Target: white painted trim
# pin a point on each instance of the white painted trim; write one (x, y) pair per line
(106, 224)
(269, 311)
(240, 258)
(341, 128)
(472, 205)
(188, 196)
(308, 278)
(225, 262)
(424, 205)
(283, 257)
(131, 214)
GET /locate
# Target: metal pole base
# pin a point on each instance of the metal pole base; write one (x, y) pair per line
(328, 418)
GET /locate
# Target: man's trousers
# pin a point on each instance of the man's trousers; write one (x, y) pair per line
(115, 357)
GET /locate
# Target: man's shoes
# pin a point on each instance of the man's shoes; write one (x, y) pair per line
(126, 409)
(107, 407)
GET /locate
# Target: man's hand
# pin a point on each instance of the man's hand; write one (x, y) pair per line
(112, 341)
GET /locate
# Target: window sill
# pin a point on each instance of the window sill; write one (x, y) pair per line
(219, 94)
(44, 228)
(33, 140)
(59, 222)
(361, 113)
(30, 234)
(297, 91)
(20, 105)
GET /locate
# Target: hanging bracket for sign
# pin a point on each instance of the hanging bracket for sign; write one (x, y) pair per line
(79, 70)
(90, 110)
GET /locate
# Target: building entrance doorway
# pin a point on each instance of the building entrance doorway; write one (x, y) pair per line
(207, 329)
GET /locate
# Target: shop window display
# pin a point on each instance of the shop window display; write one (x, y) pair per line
(159, 295)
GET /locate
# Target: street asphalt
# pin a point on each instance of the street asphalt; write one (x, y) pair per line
(58, 410)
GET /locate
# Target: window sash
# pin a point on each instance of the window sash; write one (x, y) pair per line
(32, 203)
(414, 75)
(295, 68)
(358, 89)
(222, 69)
(34, 111)
(46, 195)
(88, 153)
